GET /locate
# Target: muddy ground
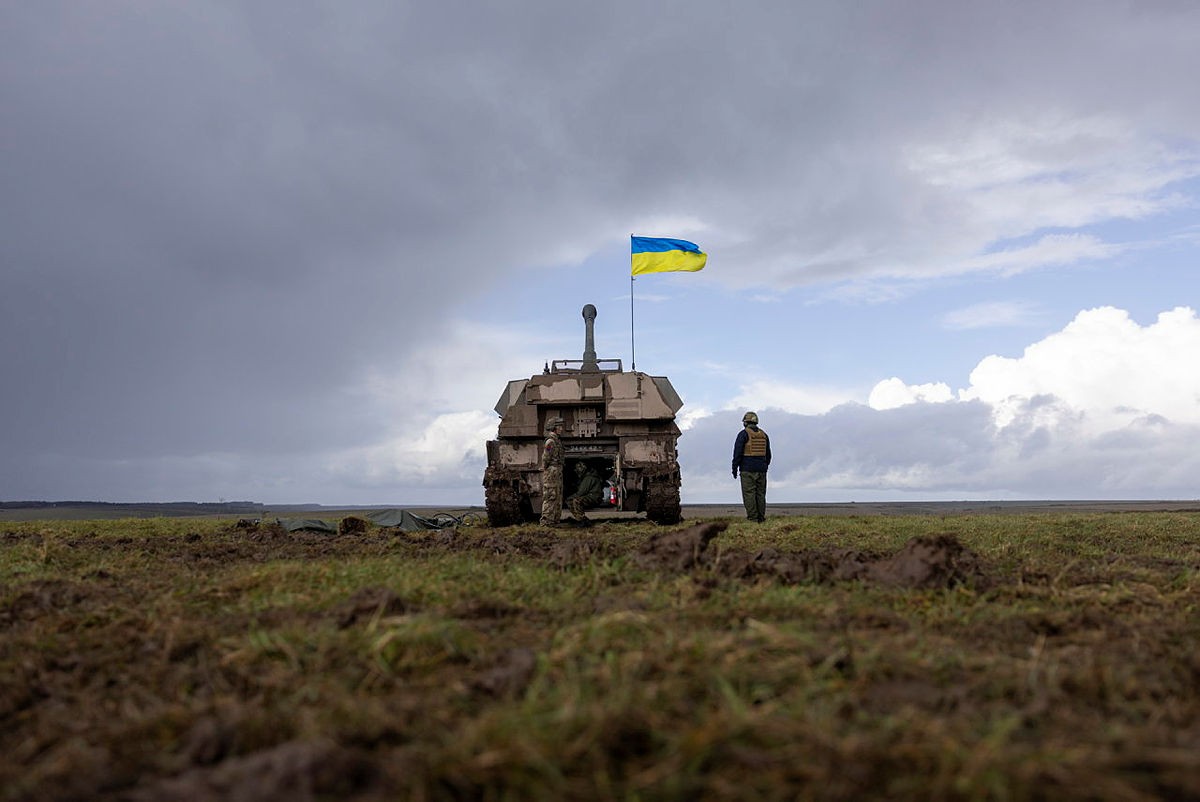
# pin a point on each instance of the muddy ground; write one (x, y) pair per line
(131, 673)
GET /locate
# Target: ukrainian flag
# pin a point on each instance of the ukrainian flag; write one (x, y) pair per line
(661, 255)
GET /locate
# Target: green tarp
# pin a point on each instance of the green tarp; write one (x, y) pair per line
(306, 525)
(401, 519)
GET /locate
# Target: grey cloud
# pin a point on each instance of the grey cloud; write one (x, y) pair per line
(219, 216)
(954, 447)
(860, 443)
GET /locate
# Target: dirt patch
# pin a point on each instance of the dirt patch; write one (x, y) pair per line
(293, 770)
(928, 562)
(939, 561)
(509, 675)
(368, 604)
(260, 542)
(924, 562)
(680, 550)
(353, 525)
(41, 597)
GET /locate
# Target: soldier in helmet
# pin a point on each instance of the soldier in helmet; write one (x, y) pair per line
(552, 473)
(752, 457)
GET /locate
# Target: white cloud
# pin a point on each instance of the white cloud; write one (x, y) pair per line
(1101, 373)
(990, 315)
(443, 450)
(869, 292)
(991, 181)
(797, 399)
(1012, 150)
(1105, 366)
(1053, 250)
(1020, 174)
(464, 365)
(684, 226)
(690, 416)
(892, 393)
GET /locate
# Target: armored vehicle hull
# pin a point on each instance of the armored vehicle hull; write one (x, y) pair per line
(620, 423)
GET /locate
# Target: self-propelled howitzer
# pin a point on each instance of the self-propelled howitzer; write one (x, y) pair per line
(620, 423)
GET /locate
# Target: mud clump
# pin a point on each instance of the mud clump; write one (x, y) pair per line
(939, 561)
(268, 533)
(510, 674)
(209, 741)
(353, 525)
(540, 544)
(812, 566)
(682, 549)
(563, 552)
(369, 603)
(577, 551)
(43, 597)
(293, 770)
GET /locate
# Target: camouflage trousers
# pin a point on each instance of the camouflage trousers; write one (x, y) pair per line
(578, 505)
(551, 496)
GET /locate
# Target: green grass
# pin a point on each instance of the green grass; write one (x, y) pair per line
(169, 657)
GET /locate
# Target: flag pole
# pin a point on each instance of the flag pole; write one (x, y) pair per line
(632, 346)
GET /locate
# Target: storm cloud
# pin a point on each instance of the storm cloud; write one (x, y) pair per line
(233, 234)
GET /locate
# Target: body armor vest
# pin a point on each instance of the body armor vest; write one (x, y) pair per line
(756, 443)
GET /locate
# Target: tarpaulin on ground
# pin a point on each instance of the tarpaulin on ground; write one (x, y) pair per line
(306, 524)
(402, 519)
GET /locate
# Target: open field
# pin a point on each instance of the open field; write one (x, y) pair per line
(79, 511)
(1013, 655)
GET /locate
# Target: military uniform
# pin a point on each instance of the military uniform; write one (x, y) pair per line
(752, 457)
(588, 494)
(552, 478)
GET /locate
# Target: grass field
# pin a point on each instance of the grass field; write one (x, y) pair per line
(1008, 657)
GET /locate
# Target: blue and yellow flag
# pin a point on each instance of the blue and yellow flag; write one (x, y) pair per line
(661, 255)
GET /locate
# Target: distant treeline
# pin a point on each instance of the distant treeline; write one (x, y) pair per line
(163, 508)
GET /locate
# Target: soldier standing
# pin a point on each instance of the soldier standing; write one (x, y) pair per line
(552, 473)
(752, 456)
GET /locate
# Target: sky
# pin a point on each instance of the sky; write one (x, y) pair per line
(291, 252)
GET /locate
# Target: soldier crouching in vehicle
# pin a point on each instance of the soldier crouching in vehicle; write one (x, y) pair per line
(552, 473)
(588, 492)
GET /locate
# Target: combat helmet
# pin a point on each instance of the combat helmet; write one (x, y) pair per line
(750, 417)
(554, 422)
